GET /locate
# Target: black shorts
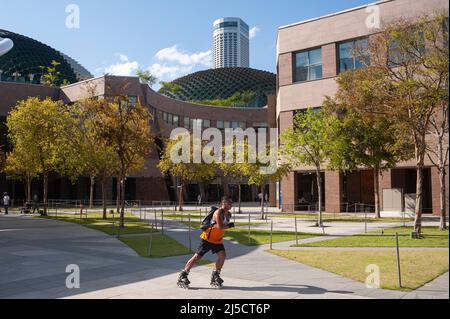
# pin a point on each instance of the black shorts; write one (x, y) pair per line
(205, 247)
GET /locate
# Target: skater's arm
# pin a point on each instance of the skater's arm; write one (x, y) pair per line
(219, 220)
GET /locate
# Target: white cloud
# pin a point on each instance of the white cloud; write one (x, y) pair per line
(254, 31)
(172, 54)
(124, 68)
(171, 63)
(166, 72)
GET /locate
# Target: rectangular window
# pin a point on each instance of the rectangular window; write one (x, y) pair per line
(353, 55)
(187, 122)
(308, 65)
(206, 123)
(220, 124)
(170, 119)
(226, 124)
(176, 120)
(242, 125)
(234, 124)
(165, 115)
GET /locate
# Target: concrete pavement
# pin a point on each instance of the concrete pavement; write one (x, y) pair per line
(34, 254)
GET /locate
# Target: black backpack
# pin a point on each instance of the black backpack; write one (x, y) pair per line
(207, 222)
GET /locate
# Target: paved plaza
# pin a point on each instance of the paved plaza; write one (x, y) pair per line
(34, 254)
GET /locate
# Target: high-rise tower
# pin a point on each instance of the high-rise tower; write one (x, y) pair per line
(231, 43)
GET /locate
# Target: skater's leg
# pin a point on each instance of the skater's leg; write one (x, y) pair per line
(221, 256)
(192, 262)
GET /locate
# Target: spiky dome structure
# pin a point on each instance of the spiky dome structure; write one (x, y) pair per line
(23, 62)
(223, 83)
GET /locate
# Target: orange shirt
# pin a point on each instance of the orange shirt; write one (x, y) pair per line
(215, 235)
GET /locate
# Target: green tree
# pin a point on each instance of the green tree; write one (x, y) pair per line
(51, 74)
(185, 170)
(363, 140)
(20, 165)
(35, 126)
(125, 128)
(308, 144)
(411, 57)
(146, 77)
(259, 172)
(169, 87)
(89, 153)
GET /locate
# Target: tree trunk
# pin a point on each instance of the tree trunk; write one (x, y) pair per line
(45, 193)
(28, 182)
(122, 202)
(239, 197)
(91, 192)
(180, 197)
(262, 202)
(418, 208)
(105, 216)
(319, 193)
(443, 202)
(118, 194)
(376, 179)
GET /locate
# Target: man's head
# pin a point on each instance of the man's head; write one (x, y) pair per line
(227, 202)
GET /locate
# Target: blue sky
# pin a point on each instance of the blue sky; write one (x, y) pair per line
(169, 37)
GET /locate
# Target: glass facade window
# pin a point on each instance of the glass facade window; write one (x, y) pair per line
(308, 65)
(187, 122)
(353, 55)
(396, 57)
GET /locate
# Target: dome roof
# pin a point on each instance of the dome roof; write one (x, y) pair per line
(27, 56)
(223, 83)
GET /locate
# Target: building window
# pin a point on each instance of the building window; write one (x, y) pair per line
(165, 116)
(220, 125)
(187, 122)
(176, 120)
(308, 65)
(353, 55)
(206, 123)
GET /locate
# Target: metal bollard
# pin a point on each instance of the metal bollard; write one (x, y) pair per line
(249, 227)
(150, 245)
(162, 222)
(365, 223)
(190, 241)
(271, 233)
(398, 262)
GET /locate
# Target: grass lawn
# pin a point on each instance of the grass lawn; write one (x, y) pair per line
(162, 246)
(432, 237)
(132, 224)
(257, 237)
(416, 267)
(343, 218)
(261, 237)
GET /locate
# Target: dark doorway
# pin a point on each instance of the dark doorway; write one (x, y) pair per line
(307, 191)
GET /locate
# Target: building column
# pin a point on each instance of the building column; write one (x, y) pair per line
(289, 192)
(273, 194)
(436, 191)
(385, 182)
(333, 192)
